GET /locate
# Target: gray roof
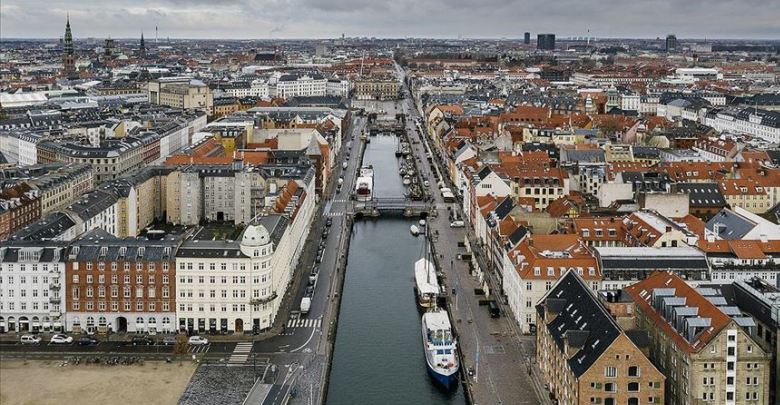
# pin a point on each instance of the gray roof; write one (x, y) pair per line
(47, 228)
(730, 224)
(583, 319)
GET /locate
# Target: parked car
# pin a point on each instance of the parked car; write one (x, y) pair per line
(60, 339)
(88, 341)
(495, 312)
(169, 340)
(457, 224)
(30, 339)
(197, 340)
(329, 222)
(141, 340)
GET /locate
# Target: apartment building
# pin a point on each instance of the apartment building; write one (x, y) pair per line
(298, 85)
(377, 88)
(701, 344)
(31, 277)
(181, 92)
(760, 123)
(585, 356)
(745, 193)
(20, 205)
(542, 186)
(120, 285)
(62, 185)
(624, 266)
(535, 264)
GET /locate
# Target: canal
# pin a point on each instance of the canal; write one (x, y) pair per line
(378, 356)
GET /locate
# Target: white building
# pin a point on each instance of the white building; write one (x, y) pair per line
(752, 121)
(238, 286)
(259, 88)
(337, 87)
(294, 85)
(20, 147)
(31, 280)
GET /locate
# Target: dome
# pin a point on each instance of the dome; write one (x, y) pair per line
(255, 235)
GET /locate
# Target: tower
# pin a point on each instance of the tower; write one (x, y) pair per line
(68, 56)
(142, 49)
(527, 38)
(671, 43)
(545, 42)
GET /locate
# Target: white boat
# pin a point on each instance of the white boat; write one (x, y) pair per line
(407, 180)
(414, 230)
(441, 351)
(364, 186)
(426, 285)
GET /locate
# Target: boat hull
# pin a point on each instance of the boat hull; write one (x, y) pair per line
(446, 382)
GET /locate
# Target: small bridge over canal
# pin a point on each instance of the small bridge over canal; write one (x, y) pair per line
(393, 206)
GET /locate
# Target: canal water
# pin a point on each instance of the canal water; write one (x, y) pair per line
(378, 356)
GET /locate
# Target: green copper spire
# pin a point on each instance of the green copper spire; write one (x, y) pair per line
(68, 47)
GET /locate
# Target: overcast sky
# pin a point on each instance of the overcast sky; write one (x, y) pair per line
(393, 18)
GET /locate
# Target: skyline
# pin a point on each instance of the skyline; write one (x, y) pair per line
(437, 19)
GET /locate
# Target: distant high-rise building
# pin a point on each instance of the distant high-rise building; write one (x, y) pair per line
(109, 47)
(142, 49)
(545, 42)
(527, 38)
(68, 55)
(671, 43)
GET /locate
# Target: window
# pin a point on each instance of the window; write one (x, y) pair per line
(528, 286)
(633, 371)
(610, 387)
(633, 387)
(610, 372)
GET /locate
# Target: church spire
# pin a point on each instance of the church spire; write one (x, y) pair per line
(142, 49)
(68, 55)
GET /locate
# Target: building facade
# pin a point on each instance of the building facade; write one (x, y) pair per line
(31, 279)
(120, 285)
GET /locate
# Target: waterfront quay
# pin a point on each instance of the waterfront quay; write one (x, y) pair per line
(497, 360)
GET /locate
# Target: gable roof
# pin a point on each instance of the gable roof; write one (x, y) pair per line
(580, 317)
(663, 296)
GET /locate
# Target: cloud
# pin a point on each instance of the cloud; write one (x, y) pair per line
(398, 18)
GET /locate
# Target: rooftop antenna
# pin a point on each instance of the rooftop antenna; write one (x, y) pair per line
(155, 35)
(588, 38)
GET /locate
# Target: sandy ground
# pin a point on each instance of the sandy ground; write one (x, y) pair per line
(44, 382)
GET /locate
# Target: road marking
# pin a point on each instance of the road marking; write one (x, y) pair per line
(304, 323)
(198, 348)
(305, 343)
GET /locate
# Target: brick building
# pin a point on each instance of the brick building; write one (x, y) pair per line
(120, 285)
(584, 355)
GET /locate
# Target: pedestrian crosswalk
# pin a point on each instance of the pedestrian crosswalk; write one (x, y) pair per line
(335, 214)
(340, 200)
(240, 354)
(304, 323)
(198, 348)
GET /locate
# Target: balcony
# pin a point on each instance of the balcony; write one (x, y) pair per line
(54, 299)
(55, 286)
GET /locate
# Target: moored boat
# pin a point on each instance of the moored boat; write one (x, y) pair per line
(364, 186)
(426, 285)
(440, 348)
